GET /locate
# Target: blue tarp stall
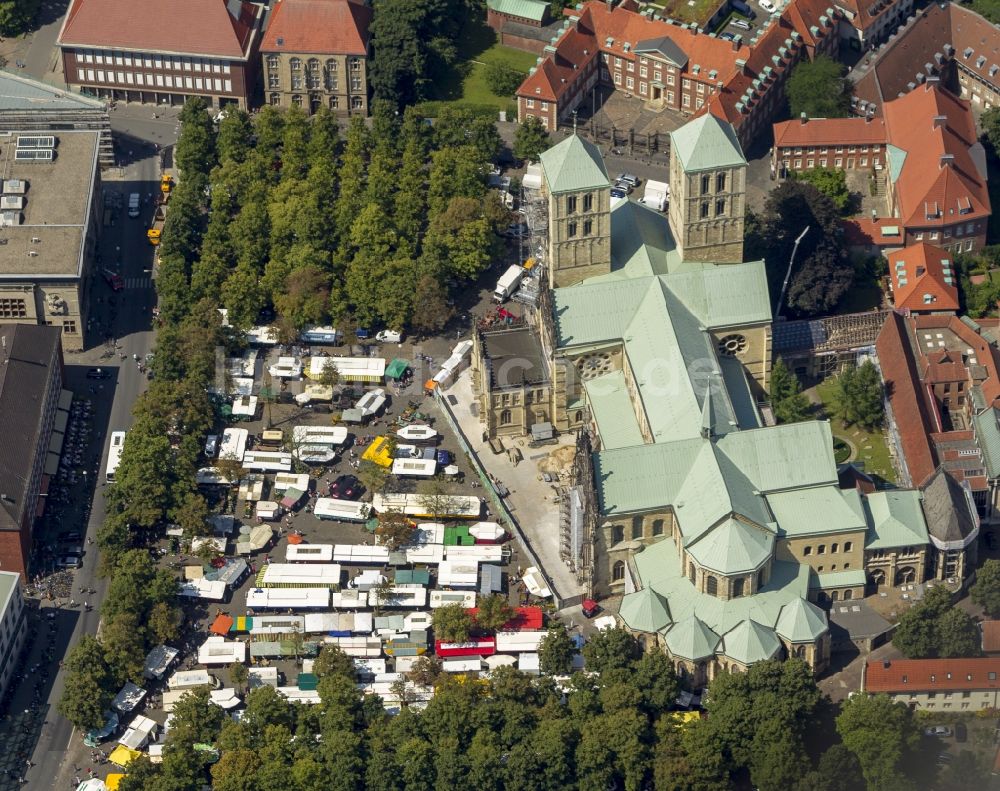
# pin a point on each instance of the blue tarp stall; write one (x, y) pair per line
(95, 737)
(490, 579)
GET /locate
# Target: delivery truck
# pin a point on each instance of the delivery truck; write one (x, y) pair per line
(657, 195)
(508, 283)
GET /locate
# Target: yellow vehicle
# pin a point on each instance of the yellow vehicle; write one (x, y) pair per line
(166, 183)
(156, 229)
(153, 235)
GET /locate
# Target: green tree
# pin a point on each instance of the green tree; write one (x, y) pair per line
(164, 622)
(858, 398)
(884, 737)
(838, 770)
(790, 405)
(609, 649)
(530, 139)
(394, 529)
(239, 676)
(123, 640)
(986, 591)
(425, 671)
(87, 690)
(493, 612)
(832, 182)
(16, 16)
(372, 475)
(432, 310)
(555, 651)
(452, 623)
(957, 635)
(332, 661)
(502, 79)
(989, 122)
(817, 88)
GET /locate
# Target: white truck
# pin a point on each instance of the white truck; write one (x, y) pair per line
(657, 195)
(133, 204)
(508, 283)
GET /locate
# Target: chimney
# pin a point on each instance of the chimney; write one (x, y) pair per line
(947, 159)
(741, 65)
(940, 120)
(868, 119)
(803, 118)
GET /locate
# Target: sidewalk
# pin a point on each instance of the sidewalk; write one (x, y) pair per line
(531, 501)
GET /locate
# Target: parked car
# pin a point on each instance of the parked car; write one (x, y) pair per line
(69, 562)
(628, 178)
(618, 192)
(362, 333)
(98, 373)
(961, 732)
(211, 445)
(742, 24)
(938, 730)
(767, 5)
(444, 458)
(727, 36)
(389, 336)
(346, 487)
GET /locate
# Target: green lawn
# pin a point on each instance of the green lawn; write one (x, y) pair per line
(466, 85)
(870, 447)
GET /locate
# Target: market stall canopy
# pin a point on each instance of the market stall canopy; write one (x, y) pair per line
(352, 416)
(95, 737)
(113, 780)
(122, 756)
(535, 583)
(396, 369)
(260, 536)
(291, 498)
(221, 625)
(93, 784)
(224, 698)
(128, 697)
(500, 660)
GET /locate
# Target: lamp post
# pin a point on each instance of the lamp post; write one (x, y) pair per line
(788, 273)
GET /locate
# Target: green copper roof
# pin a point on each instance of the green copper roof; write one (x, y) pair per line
(801, 622)
(733, 547)
(706, 143)
(987, 425)
(897, 157)
(790, 456)
(527, 9)
(658, 566)
(750, 643)
(895, 519)
(645, 611)
(837, 579)
(822, 509)
(612, 409)
(692, 639)
(574, 164)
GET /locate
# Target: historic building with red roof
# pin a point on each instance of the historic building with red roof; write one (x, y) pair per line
(668, 65)
(316, 54)
(162, 52)
(922, 279)
(945, 685)
(926, 142)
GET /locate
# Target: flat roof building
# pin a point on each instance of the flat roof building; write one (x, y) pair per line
(12, 626)
(51, 182)
(30, 389)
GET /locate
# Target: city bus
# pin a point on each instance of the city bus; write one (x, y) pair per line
(114, 454)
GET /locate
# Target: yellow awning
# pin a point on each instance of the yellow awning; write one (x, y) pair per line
(113, 780)
(123, 756)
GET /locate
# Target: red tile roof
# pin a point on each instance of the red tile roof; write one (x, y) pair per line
(884, 231)
(325, 27)
(211, 28)
(986, 354)
(936, 130)
(921, 270)
(830, 132)
(932, 675)
(991, 635)
(910, 409)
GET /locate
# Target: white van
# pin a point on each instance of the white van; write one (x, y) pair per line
(133, 204)
(211, 445)
(389, 336)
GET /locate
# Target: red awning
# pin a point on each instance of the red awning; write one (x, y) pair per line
(221, 625)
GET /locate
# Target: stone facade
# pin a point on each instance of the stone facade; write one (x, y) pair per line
(707, 208)
(579, 236)
(338, 82)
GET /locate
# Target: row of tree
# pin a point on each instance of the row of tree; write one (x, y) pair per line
(612, 727)
(154, 485)
(385, 224)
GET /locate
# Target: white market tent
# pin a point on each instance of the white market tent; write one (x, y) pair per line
(487, 531)
(296, 695)
(361, 553)
(189, 679)
(367, 579)
(519, 642)
(263, 676)
(361, 647)
(216, 543)
(483, 553)
(309, 553)
(288, 480)
(369, 667)
(400, 596)
(277, 624)
(128, 697)
(252, 488)
(465, 665)
(427, 554)
(211, 476)
(286, 368)
(529, 663)
(268, 510)
(267, 461)
(416, 620)
(414, 468)
(315, 454)
(455, 506)
(332, 436)
(234, 443)
(158, 661)
(288, 598)
(372, 402)
(348, 599)
(314, 392)
(263, 335)
(213, 590)
(440, 598)
(245, 406)
(301, 574)
(417, 433)
(458, 573)
(225, 698)
(370, 370)
(333, 508)
(500, 660)
(138, 733)
(216, 650)
(535, 583)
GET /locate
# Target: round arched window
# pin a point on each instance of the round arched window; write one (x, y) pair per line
(733, 345)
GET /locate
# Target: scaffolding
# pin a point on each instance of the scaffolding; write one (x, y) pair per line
(823, 346)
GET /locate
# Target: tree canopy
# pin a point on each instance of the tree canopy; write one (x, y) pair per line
(530, 139)
(858, 398)
(832, 182)
(787, 400)
(934, 628)
(986, 591)
(817, 88)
